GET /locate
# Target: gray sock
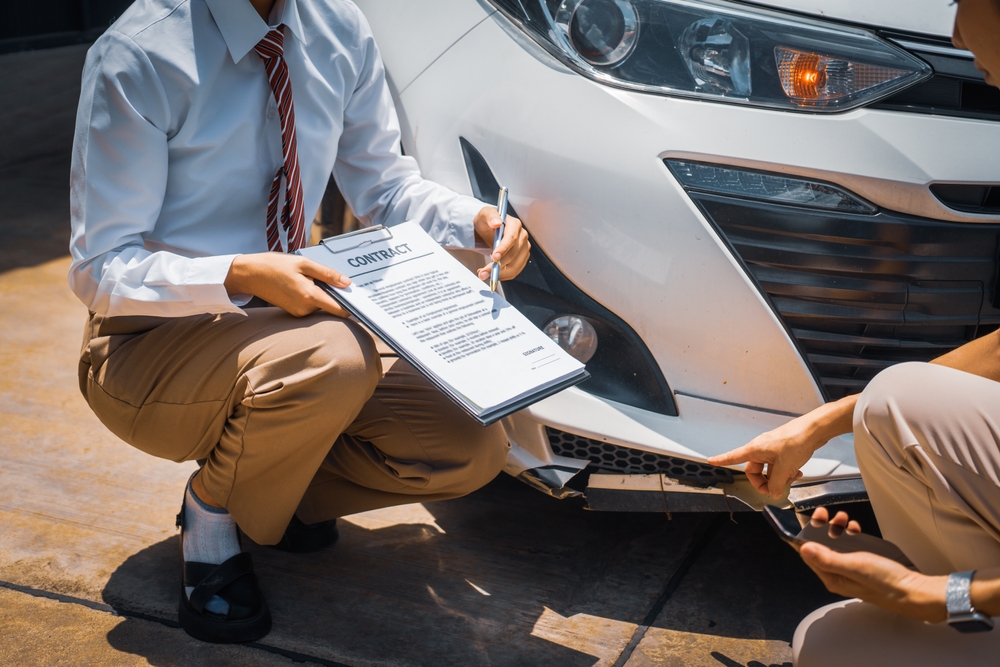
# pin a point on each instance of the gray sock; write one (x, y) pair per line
(209, 537)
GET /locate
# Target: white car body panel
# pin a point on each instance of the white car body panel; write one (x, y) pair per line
(400, 22)
(597, 197)
(930, 17)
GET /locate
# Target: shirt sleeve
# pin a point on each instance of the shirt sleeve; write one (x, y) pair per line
(381, 185)
(117, 185)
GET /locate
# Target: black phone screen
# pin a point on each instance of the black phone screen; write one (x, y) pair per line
(785, 523)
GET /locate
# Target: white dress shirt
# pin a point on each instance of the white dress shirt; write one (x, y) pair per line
(178, 139)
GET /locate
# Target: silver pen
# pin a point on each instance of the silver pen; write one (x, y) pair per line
(497, 237)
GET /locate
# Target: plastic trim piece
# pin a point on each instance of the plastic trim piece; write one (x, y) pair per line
(623, 369)
(956, 88)
(808, 497)
(659, 493)
(978, 198)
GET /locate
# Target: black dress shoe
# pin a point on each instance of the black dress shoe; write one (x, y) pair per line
(303, 538)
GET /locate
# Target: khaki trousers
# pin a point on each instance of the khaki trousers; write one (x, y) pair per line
(927, 440)
(291, 415)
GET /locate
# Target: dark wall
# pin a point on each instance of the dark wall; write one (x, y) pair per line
(39, 24)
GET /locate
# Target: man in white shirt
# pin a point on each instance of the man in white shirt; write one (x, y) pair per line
(206, 133)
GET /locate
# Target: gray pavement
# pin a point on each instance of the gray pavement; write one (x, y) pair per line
(89, 557)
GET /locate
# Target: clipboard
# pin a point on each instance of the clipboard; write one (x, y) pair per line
(334, 252)
(363, 237)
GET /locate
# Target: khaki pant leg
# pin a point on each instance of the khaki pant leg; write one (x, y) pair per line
(410, 443)
(928, 445)
(858, 634)
(261, 397)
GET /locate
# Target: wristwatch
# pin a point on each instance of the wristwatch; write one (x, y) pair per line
(958, 600)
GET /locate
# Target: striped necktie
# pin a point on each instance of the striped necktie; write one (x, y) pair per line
(271, 51)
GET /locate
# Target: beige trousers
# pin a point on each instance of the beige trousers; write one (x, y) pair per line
(291, 415)
(927, 440)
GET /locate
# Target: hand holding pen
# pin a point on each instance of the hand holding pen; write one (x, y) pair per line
(497, 237)
(504, 233)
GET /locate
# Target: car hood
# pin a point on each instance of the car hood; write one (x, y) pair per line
(930, 17)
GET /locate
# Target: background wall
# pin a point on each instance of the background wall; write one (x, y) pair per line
(40, 24)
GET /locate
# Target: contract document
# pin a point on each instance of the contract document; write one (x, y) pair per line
(437, 315)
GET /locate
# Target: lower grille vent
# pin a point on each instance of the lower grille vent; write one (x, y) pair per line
(606, 456)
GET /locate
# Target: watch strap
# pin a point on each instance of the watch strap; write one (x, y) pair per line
(958, 594)
(958, 600)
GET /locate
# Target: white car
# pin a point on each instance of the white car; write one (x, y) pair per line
(738, 211)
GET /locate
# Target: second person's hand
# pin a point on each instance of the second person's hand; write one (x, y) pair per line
(774, 459)
(874, 579)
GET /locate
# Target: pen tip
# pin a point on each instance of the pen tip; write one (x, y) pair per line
(494, 285)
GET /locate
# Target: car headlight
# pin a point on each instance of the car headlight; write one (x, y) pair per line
(718, 51)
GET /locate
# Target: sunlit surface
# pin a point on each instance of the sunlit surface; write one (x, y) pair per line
(478, 589)
(415, 514)
(603, 638)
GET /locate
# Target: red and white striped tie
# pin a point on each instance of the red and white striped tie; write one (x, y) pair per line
(271, 51)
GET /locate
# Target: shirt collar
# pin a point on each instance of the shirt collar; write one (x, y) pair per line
(241, 25)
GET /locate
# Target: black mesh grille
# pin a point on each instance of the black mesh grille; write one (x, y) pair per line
(606, 456)
(862, 292)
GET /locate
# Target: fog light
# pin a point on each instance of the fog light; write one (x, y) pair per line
(573, 334)
(718, 56)
(603, 32)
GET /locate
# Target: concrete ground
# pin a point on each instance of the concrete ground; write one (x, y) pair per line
(89, 555)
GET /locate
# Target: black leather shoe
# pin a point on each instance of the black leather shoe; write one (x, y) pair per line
(304, 538)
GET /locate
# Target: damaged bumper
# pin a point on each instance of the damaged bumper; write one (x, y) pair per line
(659, 493)
(609, 492)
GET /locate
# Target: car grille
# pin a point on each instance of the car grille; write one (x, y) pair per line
(607, 456)
(862, 292)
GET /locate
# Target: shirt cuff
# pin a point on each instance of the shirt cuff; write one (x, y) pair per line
(463, 214)
(209, 274)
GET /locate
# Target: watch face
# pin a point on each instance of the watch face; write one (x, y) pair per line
(972, 623)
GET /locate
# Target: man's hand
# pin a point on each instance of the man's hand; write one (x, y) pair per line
(514, 249)
(773, 459)
(880, 581)
(286, 281)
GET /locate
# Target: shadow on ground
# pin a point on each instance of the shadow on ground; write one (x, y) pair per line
(492, 578)
(728, 662)
(502, 577)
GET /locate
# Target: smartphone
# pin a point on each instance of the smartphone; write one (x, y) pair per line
(786, 524)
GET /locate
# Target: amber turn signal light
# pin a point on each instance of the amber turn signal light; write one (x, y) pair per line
(813, 79)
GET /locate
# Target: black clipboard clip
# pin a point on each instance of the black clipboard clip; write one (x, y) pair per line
(384, 235)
